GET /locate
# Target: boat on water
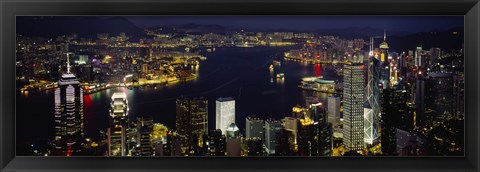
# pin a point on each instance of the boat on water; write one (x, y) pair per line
(277, 63)
(280, 75)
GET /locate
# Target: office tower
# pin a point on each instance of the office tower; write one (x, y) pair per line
(307, 138)
(172, 146)
(291, 124)
(284, 143)
(333, 110)
(233, 140)
(384, 62)
(254, 128)
(255, 146)
(271, 129)
(420, 58)
(216, 143)
(118, 125)
(373, 100)
(459, 96)
(424, 91)
(443, 96)
(68, 113)
(191, 121)
(353, 91)
(395, 114)
(145, 145)
(225, 113)
(323, 131)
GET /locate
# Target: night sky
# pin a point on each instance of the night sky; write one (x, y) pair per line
(44, 26)
(308, 23)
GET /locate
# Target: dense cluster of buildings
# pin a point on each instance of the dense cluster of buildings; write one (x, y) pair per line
(407, 104)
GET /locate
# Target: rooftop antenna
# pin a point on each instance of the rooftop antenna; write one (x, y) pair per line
(68, 62)
(384, 35)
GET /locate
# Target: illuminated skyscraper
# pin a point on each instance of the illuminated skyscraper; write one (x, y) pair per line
(68, 112)
(373, 100)
(118, 125)
(225, 113)
(353, 90)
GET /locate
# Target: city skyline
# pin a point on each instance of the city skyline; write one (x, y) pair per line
(197, 91)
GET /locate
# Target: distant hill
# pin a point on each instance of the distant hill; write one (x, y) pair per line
(84, 26)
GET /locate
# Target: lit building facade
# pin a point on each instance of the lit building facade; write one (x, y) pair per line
(333, 110)
(68, 113)
(353, 92)
(225, 113)
(118, 125)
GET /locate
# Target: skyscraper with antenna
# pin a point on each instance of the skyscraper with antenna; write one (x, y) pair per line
(68, 113)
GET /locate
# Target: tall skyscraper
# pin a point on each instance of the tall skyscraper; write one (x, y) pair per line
(271, 129)
(68, 113)
(225, 113)
(191, 121)
(353, 90)
(373, 100)
(118, 125)
(394, 115)
(254, 128)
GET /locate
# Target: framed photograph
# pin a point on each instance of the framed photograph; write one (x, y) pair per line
(239, 85)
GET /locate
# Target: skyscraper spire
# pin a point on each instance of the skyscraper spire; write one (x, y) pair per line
(384, 35)
(68, 62)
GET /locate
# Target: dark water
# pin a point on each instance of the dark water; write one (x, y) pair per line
(241, 73)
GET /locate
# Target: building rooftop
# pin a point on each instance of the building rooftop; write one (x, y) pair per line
(225, 99)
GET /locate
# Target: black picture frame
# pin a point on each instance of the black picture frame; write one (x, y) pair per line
(11, 8)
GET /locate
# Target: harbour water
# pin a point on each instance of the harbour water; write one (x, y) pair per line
(237, 72)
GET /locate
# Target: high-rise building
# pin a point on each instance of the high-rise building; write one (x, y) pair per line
(291, 124)
(225, 113)
(368, 123)
(394, 115)
(373, 100)
(353, 91)
(333, 110)
(118, 125)
(255, 146)
(233, 140)
(284, 143)
(271, 129)
(191, 121)
(254, 128)
(217, 145)
(424, 91)
(68, 113)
